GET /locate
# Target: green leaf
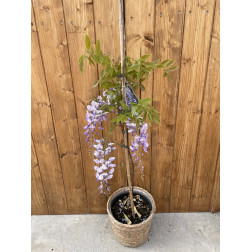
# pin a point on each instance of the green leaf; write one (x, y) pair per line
(170, 63)
(82, 62)
(96, 83)
(107, 61)
(152, 109)
(166, 74)
(146, 101)
(145, 57)
(95, 57)
(97, 47)
(133, 67)
(163, 64)
(128, 62)
(139, 75)
(90, 61)
(102, 74)
(88, 43)
(156, 118)
(148, 64)
(150, 117)
(173, 68)
(124, 106)
(133, 109)
(120, 118)
(142, 87)
(144, 117)
(156, 61)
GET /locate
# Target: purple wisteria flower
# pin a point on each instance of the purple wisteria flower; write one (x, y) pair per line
(140, 139)
(94, 116)
(104, 167)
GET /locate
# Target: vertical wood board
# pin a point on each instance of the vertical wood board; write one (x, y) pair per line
(53, 42)
(215, 202)
(209, 137)
(80, 21)
(182, 167)
(43, 132)
(168, 45)
(38, 200)
(107, 31)
(195, 54)
(139, 24)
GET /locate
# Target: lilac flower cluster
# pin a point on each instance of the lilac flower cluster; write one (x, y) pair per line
(104, 168)
(140, 139)
(94, 117)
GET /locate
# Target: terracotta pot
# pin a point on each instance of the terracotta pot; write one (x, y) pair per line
(131, 235)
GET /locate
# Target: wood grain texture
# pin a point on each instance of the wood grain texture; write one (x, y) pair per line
(180, 170)
(168, 44)
(195, 54)
(139, 24)
(43, 133)
(209, 137)
(215, 202)
(53, 42)
(80, 21)
(38, 200)
(107, 31)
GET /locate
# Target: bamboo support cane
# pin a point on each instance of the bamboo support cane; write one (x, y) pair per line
(125, 135)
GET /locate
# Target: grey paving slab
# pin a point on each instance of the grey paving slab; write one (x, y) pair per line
(178, 232)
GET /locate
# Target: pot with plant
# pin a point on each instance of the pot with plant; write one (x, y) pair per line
(130, 209)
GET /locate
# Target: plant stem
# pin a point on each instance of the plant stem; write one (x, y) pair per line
(125, 135)
(133, 166)
(128, 169)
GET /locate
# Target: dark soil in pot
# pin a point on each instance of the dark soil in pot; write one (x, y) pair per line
(121, 209)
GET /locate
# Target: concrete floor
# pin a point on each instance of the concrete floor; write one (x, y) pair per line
(169, 232)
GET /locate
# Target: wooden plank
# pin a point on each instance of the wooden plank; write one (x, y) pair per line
(80, 21)
(168, 44)
(38, 200)
(215, 202)
(43, 133)
(209, 134)
(195, 54)
(53, 42)
(139, 24)
(107, 31)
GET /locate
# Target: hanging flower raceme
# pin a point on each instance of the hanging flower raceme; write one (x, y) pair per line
(140, 139)
(103, 166)
(94, 117)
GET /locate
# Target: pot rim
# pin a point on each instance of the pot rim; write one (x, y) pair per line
(109, 211)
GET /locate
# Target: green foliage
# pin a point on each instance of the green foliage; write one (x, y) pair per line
(136, 71)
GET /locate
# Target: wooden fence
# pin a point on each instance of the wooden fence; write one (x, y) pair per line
(182, 171)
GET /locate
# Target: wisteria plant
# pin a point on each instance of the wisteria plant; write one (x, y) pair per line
(131, 113)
